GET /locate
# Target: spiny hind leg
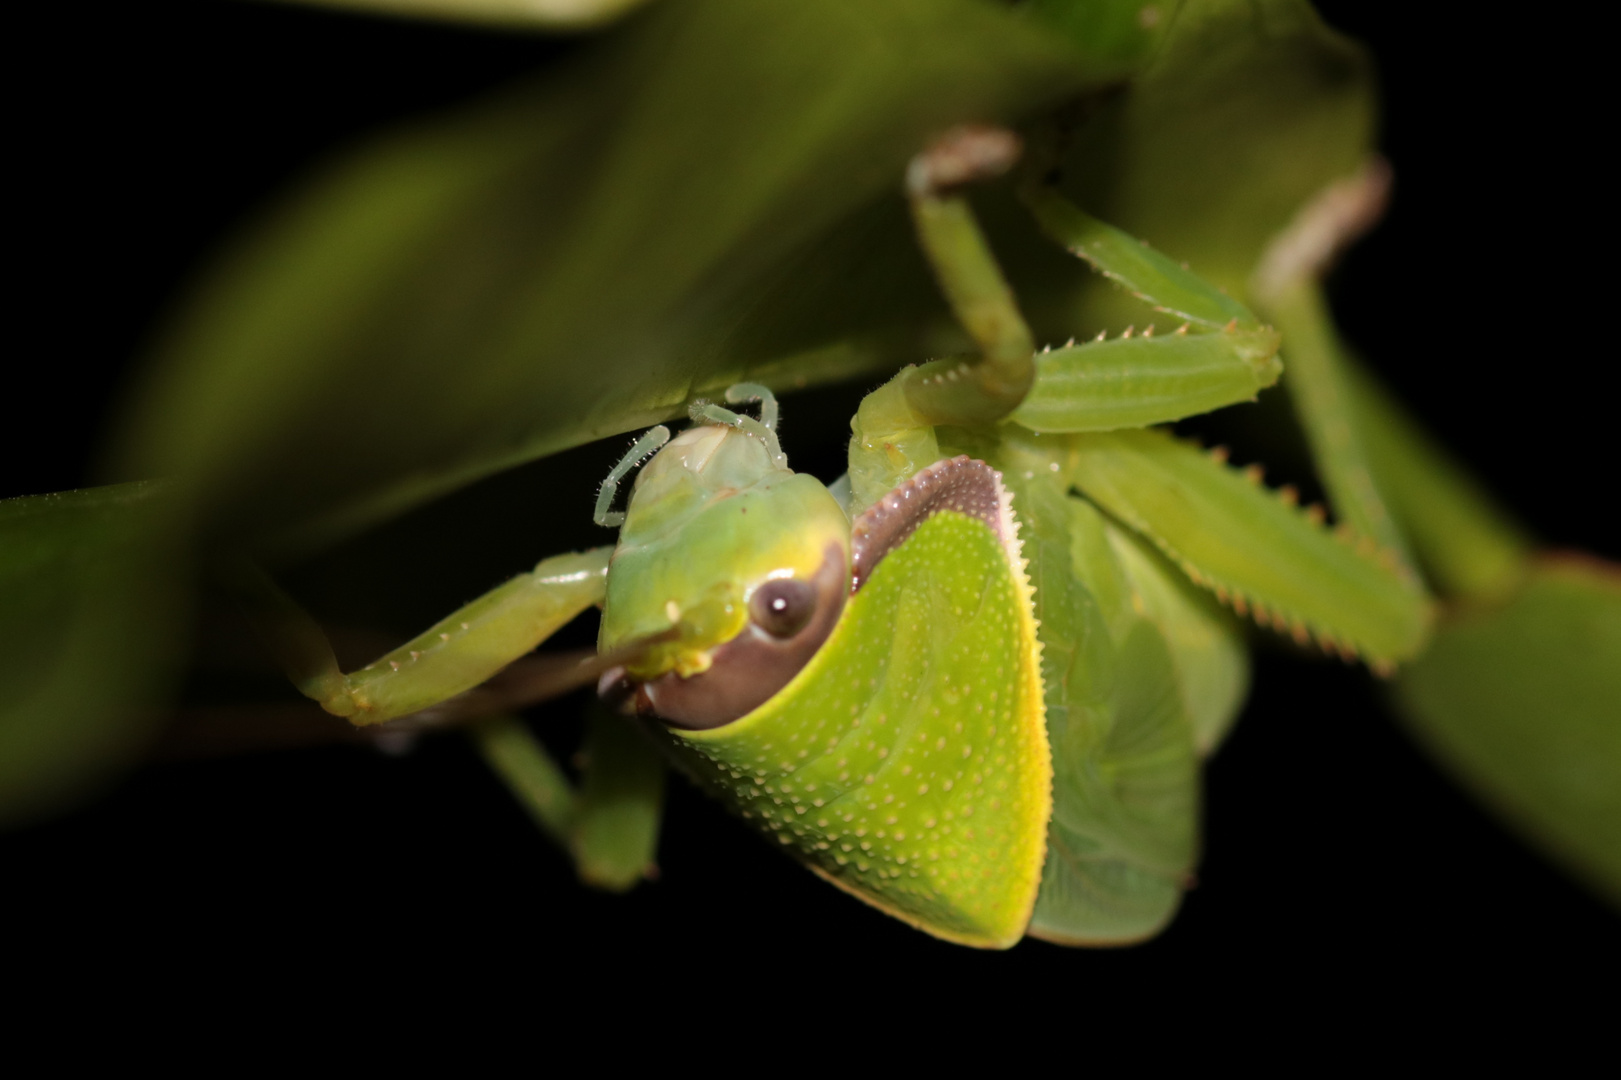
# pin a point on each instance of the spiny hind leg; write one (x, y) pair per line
(1219, 353)
(893, 430)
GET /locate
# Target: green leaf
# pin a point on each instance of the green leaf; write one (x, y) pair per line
(91, 616)
(683, 205)
(621, 800)
(1522, 703)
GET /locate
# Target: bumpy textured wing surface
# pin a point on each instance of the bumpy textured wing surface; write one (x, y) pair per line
(908, 762)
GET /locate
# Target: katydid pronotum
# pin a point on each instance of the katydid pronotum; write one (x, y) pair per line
(972, 681)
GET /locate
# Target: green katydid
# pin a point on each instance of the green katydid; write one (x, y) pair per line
(970, 682)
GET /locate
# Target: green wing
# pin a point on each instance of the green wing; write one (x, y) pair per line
(1124, 827)
(908, 762)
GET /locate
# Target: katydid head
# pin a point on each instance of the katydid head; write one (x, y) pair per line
(739, 566)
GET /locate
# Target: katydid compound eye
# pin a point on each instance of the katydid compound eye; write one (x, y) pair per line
(782, 607)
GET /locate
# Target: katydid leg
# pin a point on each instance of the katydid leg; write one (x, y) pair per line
(1467, 544)
(1220, 354)
(535, 780)
(1152, 277)
(1287, 284)
(609, 824)
(1253, 548)
(621, 801)
(987, 388)
(455, 654)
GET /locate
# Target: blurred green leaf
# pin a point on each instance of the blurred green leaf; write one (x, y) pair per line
(578, 258)
(1522, 702)
(91, 613)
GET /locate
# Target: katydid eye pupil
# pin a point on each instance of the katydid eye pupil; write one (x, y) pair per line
(782, 608)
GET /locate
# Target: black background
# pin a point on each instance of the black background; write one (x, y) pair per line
(141, 134)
